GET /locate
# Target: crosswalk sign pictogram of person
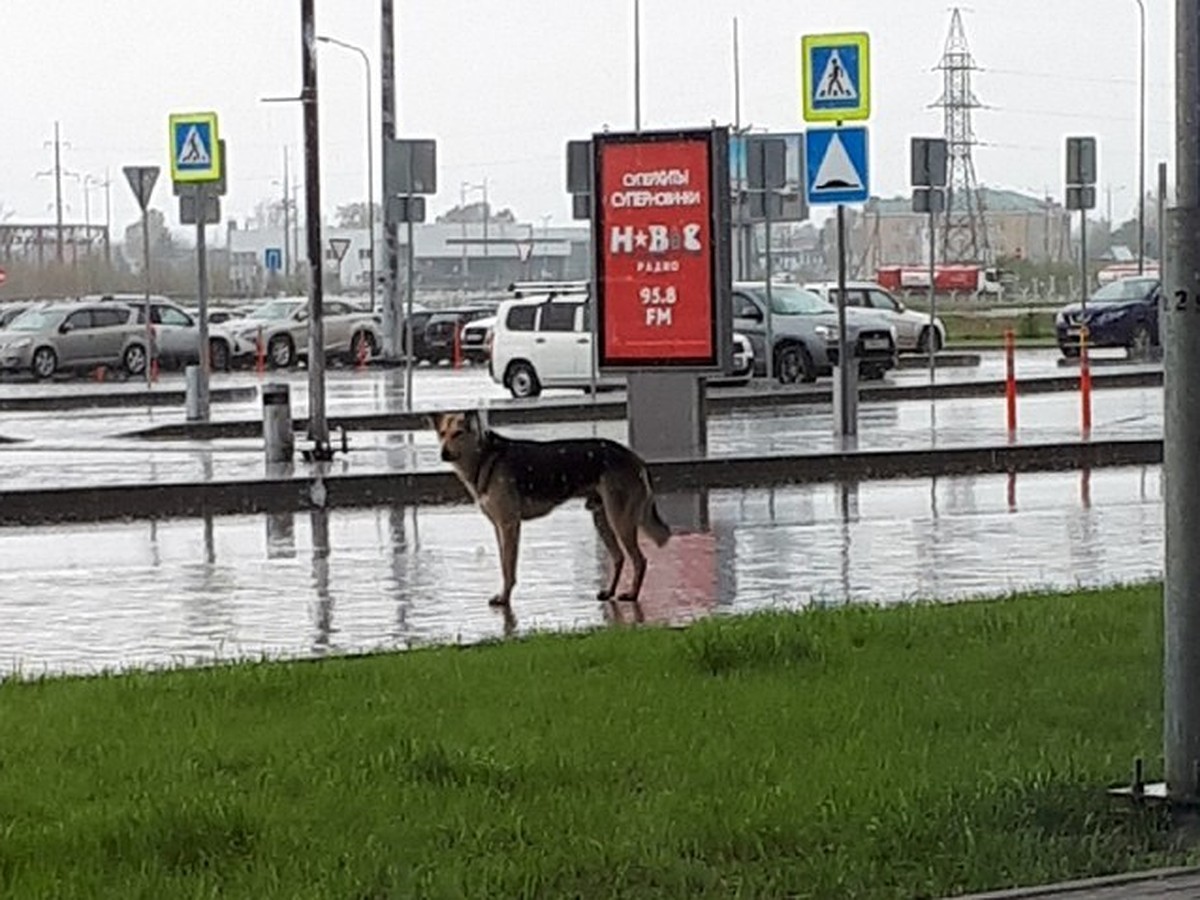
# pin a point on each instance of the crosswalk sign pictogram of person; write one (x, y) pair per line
(834, 83)
(194, 153)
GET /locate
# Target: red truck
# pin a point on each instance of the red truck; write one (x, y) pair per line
(947, 279)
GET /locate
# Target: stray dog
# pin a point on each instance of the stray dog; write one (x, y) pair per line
(514, 480)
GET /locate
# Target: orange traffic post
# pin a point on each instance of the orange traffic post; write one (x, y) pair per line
(260, 354)
(1085, 382)
(1010, 381)
(363, 353)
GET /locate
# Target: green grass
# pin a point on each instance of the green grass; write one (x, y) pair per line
(1025, 327)
(913, 752)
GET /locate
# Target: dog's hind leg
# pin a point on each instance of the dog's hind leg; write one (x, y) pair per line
(508, 535)
(624, 522)
(600, 518)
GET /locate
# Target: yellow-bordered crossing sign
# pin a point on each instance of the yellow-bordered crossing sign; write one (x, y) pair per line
(835, 76)
(195, 148)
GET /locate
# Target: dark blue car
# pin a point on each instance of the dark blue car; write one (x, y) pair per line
(1121, 314)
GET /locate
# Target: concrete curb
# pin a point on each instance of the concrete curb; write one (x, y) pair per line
(1088, 886)
(946, 359)
(720, 401)
(120, 399)
(305, 491)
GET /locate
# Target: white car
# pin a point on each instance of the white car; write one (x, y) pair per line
(283, 327)
(546, 342)
(912, 327)
(474, 339)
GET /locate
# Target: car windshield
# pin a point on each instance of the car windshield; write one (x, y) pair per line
(1124, 290)
(276, 309)
(34, 320)
(793, 301)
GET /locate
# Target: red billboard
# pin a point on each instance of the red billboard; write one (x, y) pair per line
(661, 250)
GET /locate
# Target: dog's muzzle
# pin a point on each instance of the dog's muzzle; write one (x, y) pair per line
(448, 455)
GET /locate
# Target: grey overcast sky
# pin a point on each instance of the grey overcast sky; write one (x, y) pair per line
(503, 84)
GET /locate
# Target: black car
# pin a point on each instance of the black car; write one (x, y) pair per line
(414, 335)
(1123, 313)
(441, 329)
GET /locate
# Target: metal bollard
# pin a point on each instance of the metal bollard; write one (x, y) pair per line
(279, 444)
(192, 398)
(849, 398)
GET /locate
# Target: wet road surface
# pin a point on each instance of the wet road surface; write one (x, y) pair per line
(79, 455)
(189, 591)
(78, 447)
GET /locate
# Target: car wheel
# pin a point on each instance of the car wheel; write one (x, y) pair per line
(872, 373)
(134, 359)
(357, 343)
(218, 356)
(45, 363)
(1069, 352)
(793, 363)
(924, 340)
(1140, 343)
(523, 381)
(281, 351)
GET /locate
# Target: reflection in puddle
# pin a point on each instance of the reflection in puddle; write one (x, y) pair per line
(182, 591)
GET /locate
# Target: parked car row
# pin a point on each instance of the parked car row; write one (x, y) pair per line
(47, 337)
(282, 327)
(431, 333)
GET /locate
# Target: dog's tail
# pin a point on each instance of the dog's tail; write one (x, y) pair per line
(656, 529)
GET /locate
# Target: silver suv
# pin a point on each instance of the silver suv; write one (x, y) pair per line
(62, 336)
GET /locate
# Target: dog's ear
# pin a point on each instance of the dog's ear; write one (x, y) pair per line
(474, 422)
(434, 420)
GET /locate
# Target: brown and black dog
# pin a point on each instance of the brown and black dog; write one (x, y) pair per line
(513, 480)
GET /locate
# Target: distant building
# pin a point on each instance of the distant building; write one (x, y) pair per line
(446, 256)
(888, 232)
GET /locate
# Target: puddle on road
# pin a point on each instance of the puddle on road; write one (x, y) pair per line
(188, 591)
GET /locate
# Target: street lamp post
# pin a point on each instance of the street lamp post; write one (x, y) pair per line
(1142, 143)
(370, 159)
(482, 186)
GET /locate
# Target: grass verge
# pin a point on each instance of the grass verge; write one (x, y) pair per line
(918, 751)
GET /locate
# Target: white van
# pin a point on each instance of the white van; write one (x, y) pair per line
(545, 341)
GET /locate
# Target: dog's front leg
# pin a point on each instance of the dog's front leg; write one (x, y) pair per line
(508, 534)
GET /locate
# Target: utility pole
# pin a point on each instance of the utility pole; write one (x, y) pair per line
(1181, 428)
(287, 223)
(487, 214)
(318, 428)
(58, 204)
(107, 219)
(463, 271)
(393, 322)
(637, 66)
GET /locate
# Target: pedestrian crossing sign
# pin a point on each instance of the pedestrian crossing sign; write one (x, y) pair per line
(195, 148)
(835, 76)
